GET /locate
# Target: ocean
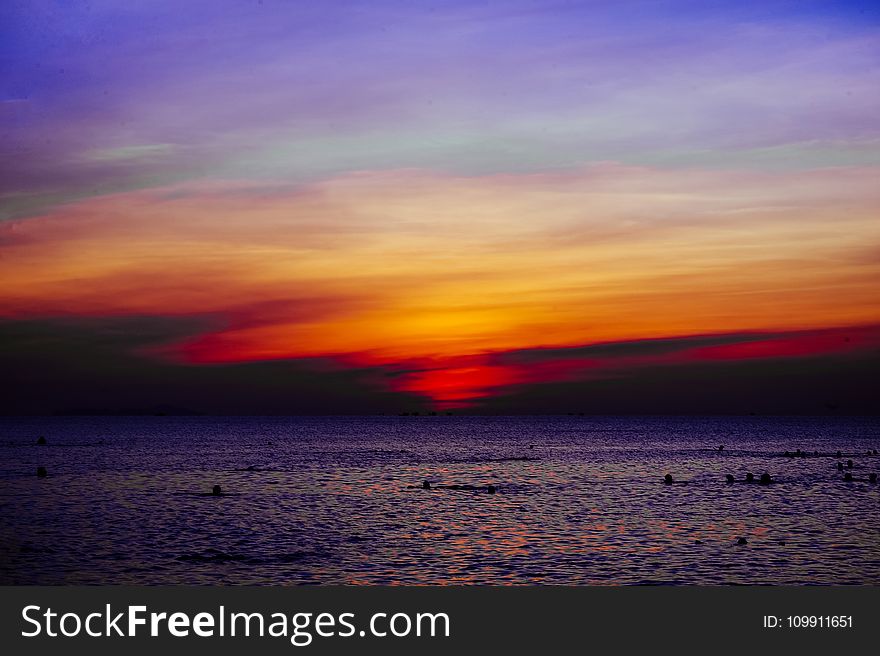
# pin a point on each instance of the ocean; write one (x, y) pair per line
(340, 500)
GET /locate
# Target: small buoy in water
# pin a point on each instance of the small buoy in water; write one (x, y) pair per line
(721, 447)
(742, 541)
(874, 452)
(798, 452)
(216, 491)
(782, 542)
(426, 485)
(815, 453)
(41, 472)
(668, 479)
(730, 478)
(490, 489)
(698, 542)
(41, 440)
(872, 477)
(839, 454)
(765, 479)
(531, 446)
(849, 464)
(839, 466)
(750, 477)
(847, 476)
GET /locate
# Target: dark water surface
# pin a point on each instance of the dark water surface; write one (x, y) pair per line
(329, 502)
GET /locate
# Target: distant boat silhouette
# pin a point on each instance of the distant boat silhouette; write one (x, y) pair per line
(491, 489)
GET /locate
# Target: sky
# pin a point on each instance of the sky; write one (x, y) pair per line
(501, 207)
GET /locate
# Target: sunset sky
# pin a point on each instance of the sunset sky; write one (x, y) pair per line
(267, 206)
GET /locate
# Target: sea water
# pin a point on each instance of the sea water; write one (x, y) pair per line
(579, 500)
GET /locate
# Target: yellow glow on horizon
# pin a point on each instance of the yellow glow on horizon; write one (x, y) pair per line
(407, 264)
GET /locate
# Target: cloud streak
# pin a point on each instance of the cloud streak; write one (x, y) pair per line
(304, 92)
(415, 264)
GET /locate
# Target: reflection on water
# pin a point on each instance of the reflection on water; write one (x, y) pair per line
(580, 500)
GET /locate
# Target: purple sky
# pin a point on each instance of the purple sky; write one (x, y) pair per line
(102, 96)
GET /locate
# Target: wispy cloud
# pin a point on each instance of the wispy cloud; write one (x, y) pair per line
(303, 92)
(390, 183)
(127, 153)
(413, 263)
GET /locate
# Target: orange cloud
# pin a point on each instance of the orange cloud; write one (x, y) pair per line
(400, 265)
